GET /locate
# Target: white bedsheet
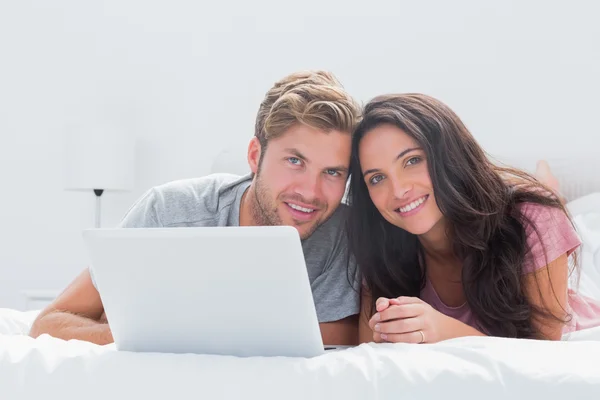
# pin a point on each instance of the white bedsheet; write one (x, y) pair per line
(467, 368)
(586, 216)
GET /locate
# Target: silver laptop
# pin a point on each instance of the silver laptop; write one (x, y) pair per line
(241, 291)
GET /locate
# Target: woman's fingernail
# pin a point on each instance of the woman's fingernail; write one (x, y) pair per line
(377, 317)
(384, 336)
(377, 327)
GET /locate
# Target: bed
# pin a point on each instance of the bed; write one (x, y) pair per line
(465, 368)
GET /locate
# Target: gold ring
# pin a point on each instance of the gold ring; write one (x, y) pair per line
(422, 337)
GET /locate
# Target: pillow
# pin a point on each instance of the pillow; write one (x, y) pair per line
(586, 217)
(15, 322)
(586, 204)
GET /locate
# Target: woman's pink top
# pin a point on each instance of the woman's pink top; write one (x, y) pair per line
(558, 237)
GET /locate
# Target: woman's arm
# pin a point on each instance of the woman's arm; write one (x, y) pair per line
(403, 319)
(407, 317)
(546, 289)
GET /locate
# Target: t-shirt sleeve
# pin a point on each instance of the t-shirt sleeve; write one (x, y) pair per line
(142, 213)
(335, 291)
(554, 236)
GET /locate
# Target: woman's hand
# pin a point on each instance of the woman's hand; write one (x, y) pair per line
(409, 320)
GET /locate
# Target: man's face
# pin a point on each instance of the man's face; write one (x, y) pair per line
(301, 178)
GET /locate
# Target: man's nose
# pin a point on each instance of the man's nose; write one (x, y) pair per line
(309, 187)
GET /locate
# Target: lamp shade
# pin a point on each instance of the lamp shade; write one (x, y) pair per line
(99, 157)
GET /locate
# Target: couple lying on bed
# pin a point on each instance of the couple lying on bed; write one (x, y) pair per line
(446, 243)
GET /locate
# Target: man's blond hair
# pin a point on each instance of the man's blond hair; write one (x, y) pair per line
(313, 98)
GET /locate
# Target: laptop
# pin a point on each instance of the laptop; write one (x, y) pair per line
(240, 291)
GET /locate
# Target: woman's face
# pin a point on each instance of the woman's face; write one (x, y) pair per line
(395, 171)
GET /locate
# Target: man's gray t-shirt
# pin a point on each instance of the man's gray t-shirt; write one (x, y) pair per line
(214, 200)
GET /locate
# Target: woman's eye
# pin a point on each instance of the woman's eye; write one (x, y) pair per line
(375, 179)
(413, 160)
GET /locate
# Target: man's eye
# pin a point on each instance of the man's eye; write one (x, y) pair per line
(294, 160)
(333, 172)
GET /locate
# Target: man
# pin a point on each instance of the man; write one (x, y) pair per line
(299, 160)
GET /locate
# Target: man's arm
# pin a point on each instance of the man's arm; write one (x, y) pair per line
(77, 313)
(365, 334)
(343, 332)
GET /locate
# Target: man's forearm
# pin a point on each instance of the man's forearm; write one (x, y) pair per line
(64, 325)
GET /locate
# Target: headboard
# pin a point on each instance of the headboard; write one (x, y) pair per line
(578, 176)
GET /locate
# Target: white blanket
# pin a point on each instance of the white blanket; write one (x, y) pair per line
(586, 216)
(481, 368)
(466, 368)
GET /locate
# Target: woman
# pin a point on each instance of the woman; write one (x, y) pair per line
(449, 244)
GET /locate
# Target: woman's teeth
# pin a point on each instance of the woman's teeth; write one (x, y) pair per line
(413, 205)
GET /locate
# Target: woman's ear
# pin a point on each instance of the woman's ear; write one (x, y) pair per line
(254, 152)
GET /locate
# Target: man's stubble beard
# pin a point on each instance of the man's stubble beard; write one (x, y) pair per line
(264, 212)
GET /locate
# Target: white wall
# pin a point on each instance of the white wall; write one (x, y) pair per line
(524, 77)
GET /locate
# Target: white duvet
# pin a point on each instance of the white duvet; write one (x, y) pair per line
(467, 368)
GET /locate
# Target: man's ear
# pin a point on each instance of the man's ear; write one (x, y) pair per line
(254, 152)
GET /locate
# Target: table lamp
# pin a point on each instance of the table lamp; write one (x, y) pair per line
(99, 159)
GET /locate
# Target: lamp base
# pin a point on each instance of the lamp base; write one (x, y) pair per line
(98, 193)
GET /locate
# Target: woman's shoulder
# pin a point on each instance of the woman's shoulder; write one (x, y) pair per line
(550, 233)
(543, 214)
(544, 217)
